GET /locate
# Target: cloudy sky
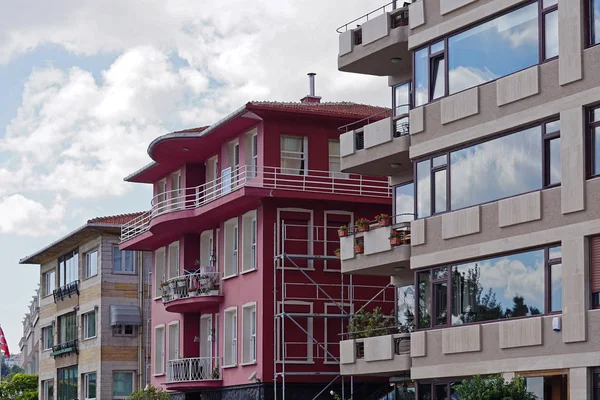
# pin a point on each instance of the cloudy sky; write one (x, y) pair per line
(86, 85)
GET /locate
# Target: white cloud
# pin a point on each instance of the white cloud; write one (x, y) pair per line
(26, 217)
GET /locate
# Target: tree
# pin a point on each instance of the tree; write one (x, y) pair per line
(20, 387)
(494, 388)
(369, 324)
(150, 393)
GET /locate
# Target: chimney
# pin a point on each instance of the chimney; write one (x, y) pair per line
(311, 98)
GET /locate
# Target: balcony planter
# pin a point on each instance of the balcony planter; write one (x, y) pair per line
(343, 231)
(363, 224)
(383, 220)
(172, 285)
(396, 238)
(359, 249)
(337, 253)
(181, 282)
(192, 292)
(165, 298)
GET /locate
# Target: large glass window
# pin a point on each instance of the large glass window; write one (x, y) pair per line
(89, 325)
(89, 381)
(48, 390)
(550, 20)
(47, 337)
(123, 260)
(421, 77)
(91, 264)
(67, 383)
(122, 384)
(49, 282)
(594, 21)
(293, 155)
(401, 106)
(405, 306)
(594, 142)
(404, 202)
(68, 268)
(506, 166)
(67, 328)
(510, 286)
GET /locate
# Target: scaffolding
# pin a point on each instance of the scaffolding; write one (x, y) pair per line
(293, 279)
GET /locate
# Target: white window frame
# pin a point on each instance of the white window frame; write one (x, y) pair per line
(249, 242)
(337, 159)
(86, 385)
(45, 385)
(291, 155)
(230, 332)
(249, 328)
(207, 248)
(132, 374)
(86, 271)
(49, 284)
(85, 317)
(158, 277)
(254, 154)
(161, 195)
(310, 227)
(231, 249)
(177, 345)
(170, 269)
(45, 329)
(175, 200)
(115, 247)
(159, 359)
(309, 325)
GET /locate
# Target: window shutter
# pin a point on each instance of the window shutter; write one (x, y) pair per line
(595, 263)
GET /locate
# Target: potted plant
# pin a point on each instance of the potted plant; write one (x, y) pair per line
(181, 282)
(396, 238)
(359, 247)
(383, 219)
(172, 284)
(363, 224)
(214, 291)
(337, 253)
(343, 231)
(165, 296)
(192, 291)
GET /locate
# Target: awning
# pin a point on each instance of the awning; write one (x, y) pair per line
(125, 315)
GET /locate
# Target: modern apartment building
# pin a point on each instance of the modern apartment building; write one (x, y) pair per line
(249, 301)
(29, 343)
(492, 148)
(93, 306)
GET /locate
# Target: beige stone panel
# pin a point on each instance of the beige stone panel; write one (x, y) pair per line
(47, 310)
(47, 364)
(416, 119)
(520, 209)
(517, 86)
(418, 344)
(520, 333)
(575, 289)
(67, 303)
(347, 351)
(388, 367)
(119, 353)
(572, 160)
(579, 384)
(376, 28)
(460, 105)
(570, 40)
(377, 240)
(345, 42)
(346, 144)
(417, 232)
(447, 6)
(379, 348)
(90, 294)
(66, 360)
(461, 340)
(120, 289)
(416, 14)
(378, 132)
(461, 222)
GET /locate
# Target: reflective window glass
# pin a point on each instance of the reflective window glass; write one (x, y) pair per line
(421, 77)
(405, 305)
(440, 191)
(504, 287)
(494, 49)
(552, 127)
(401, 99)
(549, 3)
(441, 392)
(438, 74)
(596, 139)
(423, 189)
(440, 292)
(551, 34)
(556, 287)
(437, 47)
(424, 300)
(554, 162)
(595, 21)
(404, 202)
(439, 161)
(425, 391)
(499, 168)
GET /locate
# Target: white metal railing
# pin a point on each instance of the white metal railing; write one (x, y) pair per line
(192, 285)
(262, 177)
(193, 369)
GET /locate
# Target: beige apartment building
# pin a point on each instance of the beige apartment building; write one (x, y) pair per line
(93, 311)
(492, 146)
(30, 341)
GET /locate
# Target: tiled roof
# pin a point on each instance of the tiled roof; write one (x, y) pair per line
(193, 130)
(115, 219)
(342, 108)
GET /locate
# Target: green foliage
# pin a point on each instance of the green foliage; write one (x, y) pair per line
(150, 393)
(494, 388)
(21, 387)
(369, 324)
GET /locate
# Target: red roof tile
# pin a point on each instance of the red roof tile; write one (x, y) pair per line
(115, 219)
(346, 109)
(193, 130)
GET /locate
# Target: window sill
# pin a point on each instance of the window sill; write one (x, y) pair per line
(229, 366)
(123, 273)
(248, 271)
(228, 277)
(161, 374)
(248, 363)
(297, 362)
(90, 277)
(89, 338)
(46, 350)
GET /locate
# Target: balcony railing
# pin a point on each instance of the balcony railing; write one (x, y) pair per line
(399, 115)
(364, 18)
(65, 348)
(66, 291)
(192, 285)
(262, 177)
(193, 370)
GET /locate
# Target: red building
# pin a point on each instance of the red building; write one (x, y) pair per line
(249, 298)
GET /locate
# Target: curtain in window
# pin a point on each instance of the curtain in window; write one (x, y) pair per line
(292, 154)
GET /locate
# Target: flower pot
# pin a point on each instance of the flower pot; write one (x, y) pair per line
(342, 232)
(385, 222)
(396, 241)
(180, 283)
(363, 228)
(359, 249)
(214, 292)
(165, 299)
(192, 293)
(337, 255)
(172, 285)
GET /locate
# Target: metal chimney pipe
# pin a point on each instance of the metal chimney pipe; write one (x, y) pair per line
(311, 81)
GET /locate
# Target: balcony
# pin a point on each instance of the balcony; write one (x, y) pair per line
(192, 373)
(376, 43)
(248, 181)
(379, 355)
(68, 290)
(65, 348)
(376, 248)
(378, 145)
(192, 292)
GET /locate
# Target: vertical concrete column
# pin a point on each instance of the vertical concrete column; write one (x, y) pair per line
(575, 289)
(579, 384)
(570, 41)
(572, 160)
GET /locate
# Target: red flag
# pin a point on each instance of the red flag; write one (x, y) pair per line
(3, 344)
